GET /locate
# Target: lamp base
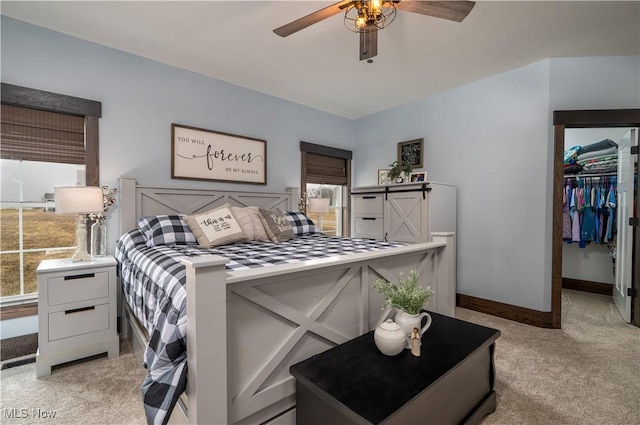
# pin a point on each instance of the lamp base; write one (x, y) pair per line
(80, 256)
(81, 253)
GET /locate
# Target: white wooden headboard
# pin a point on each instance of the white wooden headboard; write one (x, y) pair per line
(138, 201)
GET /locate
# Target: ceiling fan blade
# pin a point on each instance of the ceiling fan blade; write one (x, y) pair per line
(368, 42)
(451, 10)
(311, 19)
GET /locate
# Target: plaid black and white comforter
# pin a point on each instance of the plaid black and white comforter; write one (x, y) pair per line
(154, 282)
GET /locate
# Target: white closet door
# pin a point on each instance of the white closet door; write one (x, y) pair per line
(624, 242)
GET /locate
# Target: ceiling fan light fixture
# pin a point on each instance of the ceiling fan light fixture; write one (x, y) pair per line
(369, 15)
(366, 17)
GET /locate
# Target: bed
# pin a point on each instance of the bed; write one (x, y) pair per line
(246, 326)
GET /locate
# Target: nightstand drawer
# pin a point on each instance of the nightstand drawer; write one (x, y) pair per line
(368, 204)
(78, 287)
(79, 321)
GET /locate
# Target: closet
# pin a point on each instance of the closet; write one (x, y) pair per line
(598, 190)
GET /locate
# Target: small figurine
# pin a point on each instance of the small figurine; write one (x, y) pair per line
(415, 342)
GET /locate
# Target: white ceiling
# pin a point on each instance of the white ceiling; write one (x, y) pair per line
(319, 67)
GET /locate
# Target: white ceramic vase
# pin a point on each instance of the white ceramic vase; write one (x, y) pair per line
(408, 321)
(389, 338)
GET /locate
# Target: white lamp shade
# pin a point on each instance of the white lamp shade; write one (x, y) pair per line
(319, 205)
(78, 200)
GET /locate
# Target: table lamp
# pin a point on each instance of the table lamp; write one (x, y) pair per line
(319, 206)
(80, 200)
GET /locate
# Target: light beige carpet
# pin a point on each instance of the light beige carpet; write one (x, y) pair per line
(99, 391)
(586, 373)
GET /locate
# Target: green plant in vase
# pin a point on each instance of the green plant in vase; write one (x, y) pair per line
(405, 295)
(408, 298)
(399, 170)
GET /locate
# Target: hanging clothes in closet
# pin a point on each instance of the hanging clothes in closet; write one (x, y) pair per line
(590, 193)
(589, 210)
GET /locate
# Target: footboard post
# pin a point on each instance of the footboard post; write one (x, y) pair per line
(206, 339)
(445, 273)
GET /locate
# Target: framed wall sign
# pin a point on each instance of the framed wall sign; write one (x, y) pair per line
(412, 152)
(199, 154)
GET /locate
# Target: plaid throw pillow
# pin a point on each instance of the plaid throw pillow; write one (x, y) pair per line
(300, 223)
(166, 230)
(127, 242)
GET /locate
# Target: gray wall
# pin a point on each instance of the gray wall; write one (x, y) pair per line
(489, 139)
(492, 138)
(141, 98)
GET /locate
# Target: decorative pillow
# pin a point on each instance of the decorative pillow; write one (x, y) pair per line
(300, 223)
(276, 225)
(166, 230)
(249, 219)
(216, 227)
(261, 233)
(133, 238)
(127, 242)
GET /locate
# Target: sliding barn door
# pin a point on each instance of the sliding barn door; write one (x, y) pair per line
(405, 217)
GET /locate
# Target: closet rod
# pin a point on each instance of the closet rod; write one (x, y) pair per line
(575, 176)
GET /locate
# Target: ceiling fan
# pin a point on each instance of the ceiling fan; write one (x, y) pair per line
(366, 17)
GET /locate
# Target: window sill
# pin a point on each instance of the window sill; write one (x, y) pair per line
(15, 311)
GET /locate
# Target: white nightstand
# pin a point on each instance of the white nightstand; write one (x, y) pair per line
(76, 311)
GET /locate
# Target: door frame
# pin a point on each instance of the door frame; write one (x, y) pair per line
(583, 119)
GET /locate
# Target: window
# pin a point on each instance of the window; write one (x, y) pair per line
(30, 230)
(326, 173)
(46, 140)
(329, 220)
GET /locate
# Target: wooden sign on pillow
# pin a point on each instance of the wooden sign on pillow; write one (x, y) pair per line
(216, 227)
(277, 225)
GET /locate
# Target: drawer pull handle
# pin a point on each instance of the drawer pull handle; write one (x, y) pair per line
(369, 197)
(368, 218)
(79, 310)
(80, 276)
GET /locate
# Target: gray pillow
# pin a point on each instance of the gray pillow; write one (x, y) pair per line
(277, 225)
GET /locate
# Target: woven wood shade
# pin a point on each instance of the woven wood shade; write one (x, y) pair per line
(34, 135)
(326, 170)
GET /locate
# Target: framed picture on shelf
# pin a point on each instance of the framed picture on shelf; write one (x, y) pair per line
(412, 152)
(383, 177)
(418, 177)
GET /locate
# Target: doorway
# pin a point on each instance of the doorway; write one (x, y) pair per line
(563, 120)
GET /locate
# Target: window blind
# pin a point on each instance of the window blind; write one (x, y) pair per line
(35, 135)
(326, 170)
(324, 164)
